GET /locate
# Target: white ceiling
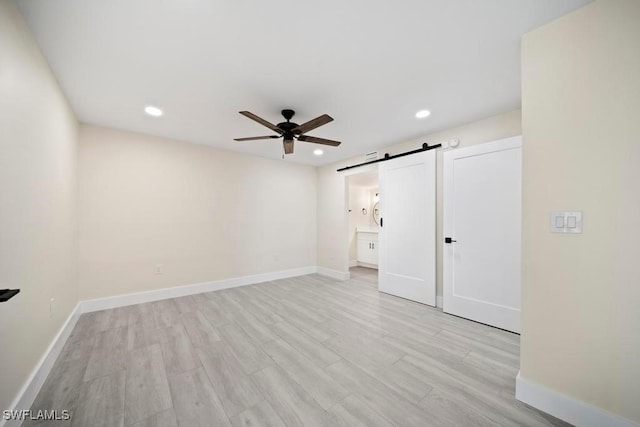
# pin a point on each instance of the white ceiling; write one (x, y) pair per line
(369, 64)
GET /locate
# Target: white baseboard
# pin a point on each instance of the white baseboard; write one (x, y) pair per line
(198, 288)
(353, 263)
(31, 387)
(439, 301)
(566, 408)
(334, 274)
(367, 265)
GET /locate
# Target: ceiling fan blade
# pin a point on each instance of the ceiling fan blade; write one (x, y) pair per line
(288, 146)
(312, 124)
(315, 140)
(255, 138)
(260, 120)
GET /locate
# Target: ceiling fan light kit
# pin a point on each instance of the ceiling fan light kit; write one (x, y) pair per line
(290, 131)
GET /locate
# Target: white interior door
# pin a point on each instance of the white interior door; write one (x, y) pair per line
(482, 215)
(407, 235)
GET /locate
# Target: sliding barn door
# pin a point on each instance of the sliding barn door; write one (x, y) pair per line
(407, 236)
(482, 229)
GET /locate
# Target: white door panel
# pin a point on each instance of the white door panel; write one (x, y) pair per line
(407, 235)
(482, 213)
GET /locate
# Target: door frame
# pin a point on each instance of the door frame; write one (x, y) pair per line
(346, 175)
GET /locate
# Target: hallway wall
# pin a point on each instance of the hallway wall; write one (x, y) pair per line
(38, 240)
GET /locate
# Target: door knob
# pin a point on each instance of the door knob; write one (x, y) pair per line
(449, 240)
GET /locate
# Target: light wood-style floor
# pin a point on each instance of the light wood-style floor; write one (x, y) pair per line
(303, 351)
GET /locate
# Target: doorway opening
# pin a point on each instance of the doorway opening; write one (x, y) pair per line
(363, 225)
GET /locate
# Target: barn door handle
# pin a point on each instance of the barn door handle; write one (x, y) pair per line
(449, 240)
(381, 221)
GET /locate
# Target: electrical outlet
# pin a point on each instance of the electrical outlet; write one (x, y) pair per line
(51, 307)
(159, 269)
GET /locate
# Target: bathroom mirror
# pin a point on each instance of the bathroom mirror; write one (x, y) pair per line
(376, 213)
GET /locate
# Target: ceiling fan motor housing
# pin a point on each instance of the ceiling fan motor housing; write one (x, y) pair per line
(288, 126)
(288, 114)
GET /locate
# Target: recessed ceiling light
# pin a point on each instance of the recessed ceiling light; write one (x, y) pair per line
(153, 111)
(318, 152)
(423, 114)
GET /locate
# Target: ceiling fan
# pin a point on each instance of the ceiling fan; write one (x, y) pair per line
(290, 131)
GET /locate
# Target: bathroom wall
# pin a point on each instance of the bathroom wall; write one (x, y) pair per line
(359, 198)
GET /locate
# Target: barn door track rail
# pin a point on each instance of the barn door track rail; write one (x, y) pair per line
(387, 156)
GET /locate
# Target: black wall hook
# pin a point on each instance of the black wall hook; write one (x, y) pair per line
(7, 294)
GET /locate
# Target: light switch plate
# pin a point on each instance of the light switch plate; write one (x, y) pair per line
(566, 222)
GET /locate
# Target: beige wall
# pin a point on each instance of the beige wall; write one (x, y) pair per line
(581, 293)
(204, 214)
(332, 220)
(38, 134)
